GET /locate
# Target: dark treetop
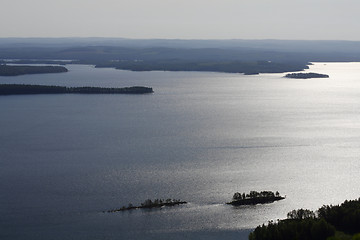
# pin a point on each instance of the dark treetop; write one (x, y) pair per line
(339, 222)
(17, 89)
(10, 70)
(255, 197)
(306, 75)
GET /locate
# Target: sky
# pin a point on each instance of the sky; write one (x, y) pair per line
(182, 19)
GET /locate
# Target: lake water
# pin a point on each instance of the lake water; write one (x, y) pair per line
(64, 159)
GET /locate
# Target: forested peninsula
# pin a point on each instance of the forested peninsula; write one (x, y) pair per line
(231, 66)
(15, 70)
(19, 89)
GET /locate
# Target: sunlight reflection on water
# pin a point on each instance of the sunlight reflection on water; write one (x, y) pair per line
(200, 137)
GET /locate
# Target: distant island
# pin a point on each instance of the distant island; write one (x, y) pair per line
(157, 203)
(306, 75)
(255, 197)
(12, 70)
(251, 73)
(18, 89)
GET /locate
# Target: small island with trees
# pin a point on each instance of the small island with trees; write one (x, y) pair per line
(149, 204)
(20, 89)
(255, 197)
(306, 75)
(16, 70)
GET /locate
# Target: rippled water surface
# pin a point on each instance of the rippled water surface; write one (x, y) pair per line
(200, 137)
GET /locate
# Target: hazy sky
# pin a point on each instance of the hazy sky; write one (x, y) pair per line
(187, 19)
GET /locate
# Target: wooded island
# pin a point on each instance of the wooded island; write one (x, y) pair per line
(157, 203)
(255, 197)
(19, 89)
(306, 75)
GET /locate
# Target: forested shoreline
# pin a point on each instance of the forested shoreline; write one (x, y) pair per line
(335, 222)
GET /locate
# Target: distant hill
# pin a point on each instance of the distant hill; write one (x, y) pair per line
(187, 55)
(266, 44)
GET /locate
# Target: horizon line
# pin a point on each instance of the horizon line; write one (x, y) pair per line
(185, 39)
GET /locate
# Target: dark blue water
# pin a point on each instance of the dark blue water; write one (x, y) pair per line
(64, 159)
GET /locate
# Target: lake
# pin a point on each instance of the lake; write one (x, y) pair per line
(64, 159)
